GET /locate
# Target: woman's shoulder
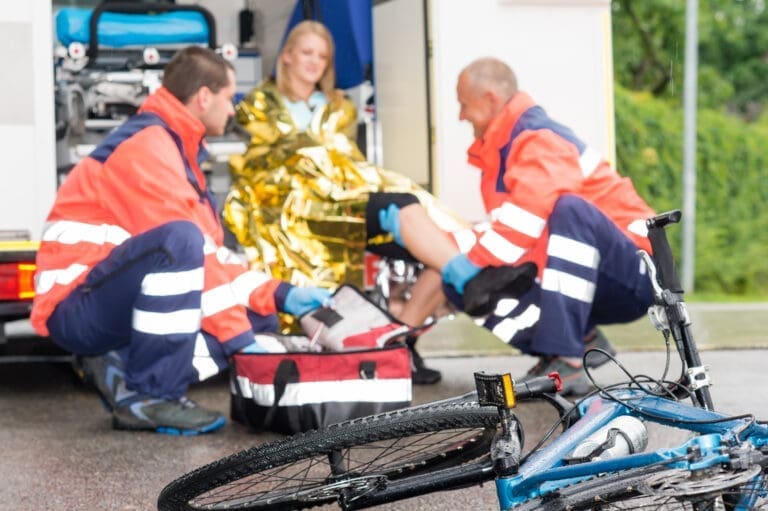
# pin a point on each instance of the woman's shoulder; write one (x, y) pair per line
(263, 113)
(266, 92)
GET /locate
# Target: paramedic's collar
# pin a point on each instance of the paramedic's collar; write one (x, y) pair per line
(499, 129)
(179, 119)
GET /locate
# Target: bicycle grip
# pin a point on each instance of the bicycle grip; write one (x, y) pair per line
(549, 384)
(662, 252)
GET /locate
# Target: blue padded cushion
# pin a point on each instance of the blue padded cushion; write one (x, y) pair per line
(118, 29)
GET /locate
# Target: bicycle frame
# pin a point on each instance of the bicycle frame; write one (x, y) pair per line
(599, 457)
(544, 471)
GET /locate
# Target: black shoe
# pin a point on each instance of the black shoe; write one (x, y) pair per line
(483, 292)
(172, 417)
(575, 381)
(420, 373)
(596, 340)
(105, 373)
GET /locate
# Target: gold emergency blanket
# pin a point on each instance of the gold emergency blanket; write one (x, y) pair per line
(298, 199)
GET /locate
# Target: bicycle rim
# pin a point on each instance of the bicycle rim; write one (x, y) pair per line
(360, 463)
(656, 488)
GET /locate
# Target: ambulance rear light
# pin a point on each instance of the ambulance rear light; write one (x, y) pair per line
(17, 281)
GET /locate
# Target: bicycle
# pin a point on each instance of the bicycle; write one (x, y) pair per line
(598, 461)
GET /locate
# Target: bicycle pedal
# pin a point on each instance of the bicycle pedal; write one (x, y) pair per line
(495, 390)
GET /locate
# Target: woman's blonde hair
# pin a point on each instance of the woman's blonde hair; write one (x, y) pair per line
(327, 81)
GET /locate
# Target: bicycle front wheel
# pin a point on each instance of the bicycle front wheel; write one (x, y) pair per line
(655, 488)
(358, 463)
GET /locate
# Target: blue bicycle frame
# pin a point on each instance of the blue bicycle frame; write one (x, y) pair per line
(544, 472)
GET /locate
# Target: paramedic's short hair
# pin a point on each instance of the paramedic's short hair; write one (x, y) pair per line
(490, 72)
(195, 67)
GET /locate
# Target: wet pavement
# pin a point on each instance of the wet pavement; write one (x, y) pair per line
(59, 451)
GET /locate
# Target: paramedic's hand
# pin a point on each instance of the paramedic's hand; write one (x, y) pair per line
(301, 300)
(253, 348)
(389, 220)
(458, 271)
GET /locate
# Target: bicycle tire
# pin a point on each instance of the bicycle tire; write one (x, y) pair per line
(415, 451)
(647, 488)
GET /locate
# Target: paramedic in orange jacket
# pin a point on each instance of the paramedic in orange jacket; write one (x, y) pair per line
(552, 201)
(132, 271)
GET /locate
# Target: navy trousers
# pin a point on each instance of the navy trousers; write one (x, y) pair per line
(593, 275)
(143, 301)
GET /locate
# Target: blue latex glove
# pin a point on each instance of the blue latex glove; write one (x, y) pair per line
(301, 300)
(253, 348)
(458, 271)
(389, 220)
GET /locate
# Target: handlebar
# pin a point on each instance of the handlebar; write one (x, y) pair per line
(662, 252)
(535, 387)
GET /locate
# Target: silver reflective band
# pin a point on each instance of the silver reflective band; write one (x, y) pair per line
(519, 219)
(508, 327)
(186, 321)
(573, 251)
(568, 285)
(172, 283)
(501, 247)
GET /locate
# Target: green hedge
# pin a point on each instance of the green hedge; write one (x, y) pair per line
(731, 191)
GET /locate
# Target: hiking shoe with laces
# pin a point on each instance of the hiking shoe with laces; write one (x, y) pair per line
(575, 381)
(595, 340)
(105, 373)
(173, 417)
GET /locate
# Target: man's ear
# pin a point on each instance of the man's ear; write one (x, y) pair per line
(495, 101)
(492, 98)
(200, 100)
(204, 95)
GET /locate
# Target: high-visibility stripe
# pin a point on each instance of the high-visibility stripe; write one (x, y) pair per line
(218, 299)
(202, 360)
(505, 306)
(568, 285)
(508, 327)
(519, 219)
(501, 247)
(465, 239)
(588, 161)
(45, 280)
(209, 246)
(638, 227)
(392, 390)
(244, 285)
(172, 283)
(227, 256)
(70, 233)
(573, 251)
(186, 321)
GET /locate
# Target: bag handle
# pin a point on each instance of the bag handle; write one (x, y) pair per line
(287, 372)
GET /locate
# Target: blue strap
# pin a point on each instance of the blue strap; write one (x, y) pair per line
(535, 118)
(144, 120)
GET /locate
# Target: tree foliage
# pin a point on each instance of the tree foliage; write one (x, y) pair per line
(649, 51)
(732, 128)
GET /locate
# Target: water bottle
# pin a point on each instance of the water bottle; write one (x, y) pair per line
(623, 435)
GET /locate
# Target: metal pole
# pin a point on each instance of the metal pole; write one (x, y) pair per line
(689, 143)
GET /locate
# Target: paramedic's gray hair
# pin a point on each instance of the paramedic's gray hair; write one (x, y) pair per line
(491, 73)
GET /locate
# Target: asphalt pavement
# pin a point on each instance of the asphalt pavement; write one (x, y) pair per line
(60, 453)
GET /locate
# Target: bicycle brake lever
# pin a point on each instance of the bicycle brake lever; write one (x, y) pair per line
(658, 292)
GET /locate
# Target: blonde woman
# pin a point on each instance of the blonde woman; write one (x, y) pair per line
(305, 204)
